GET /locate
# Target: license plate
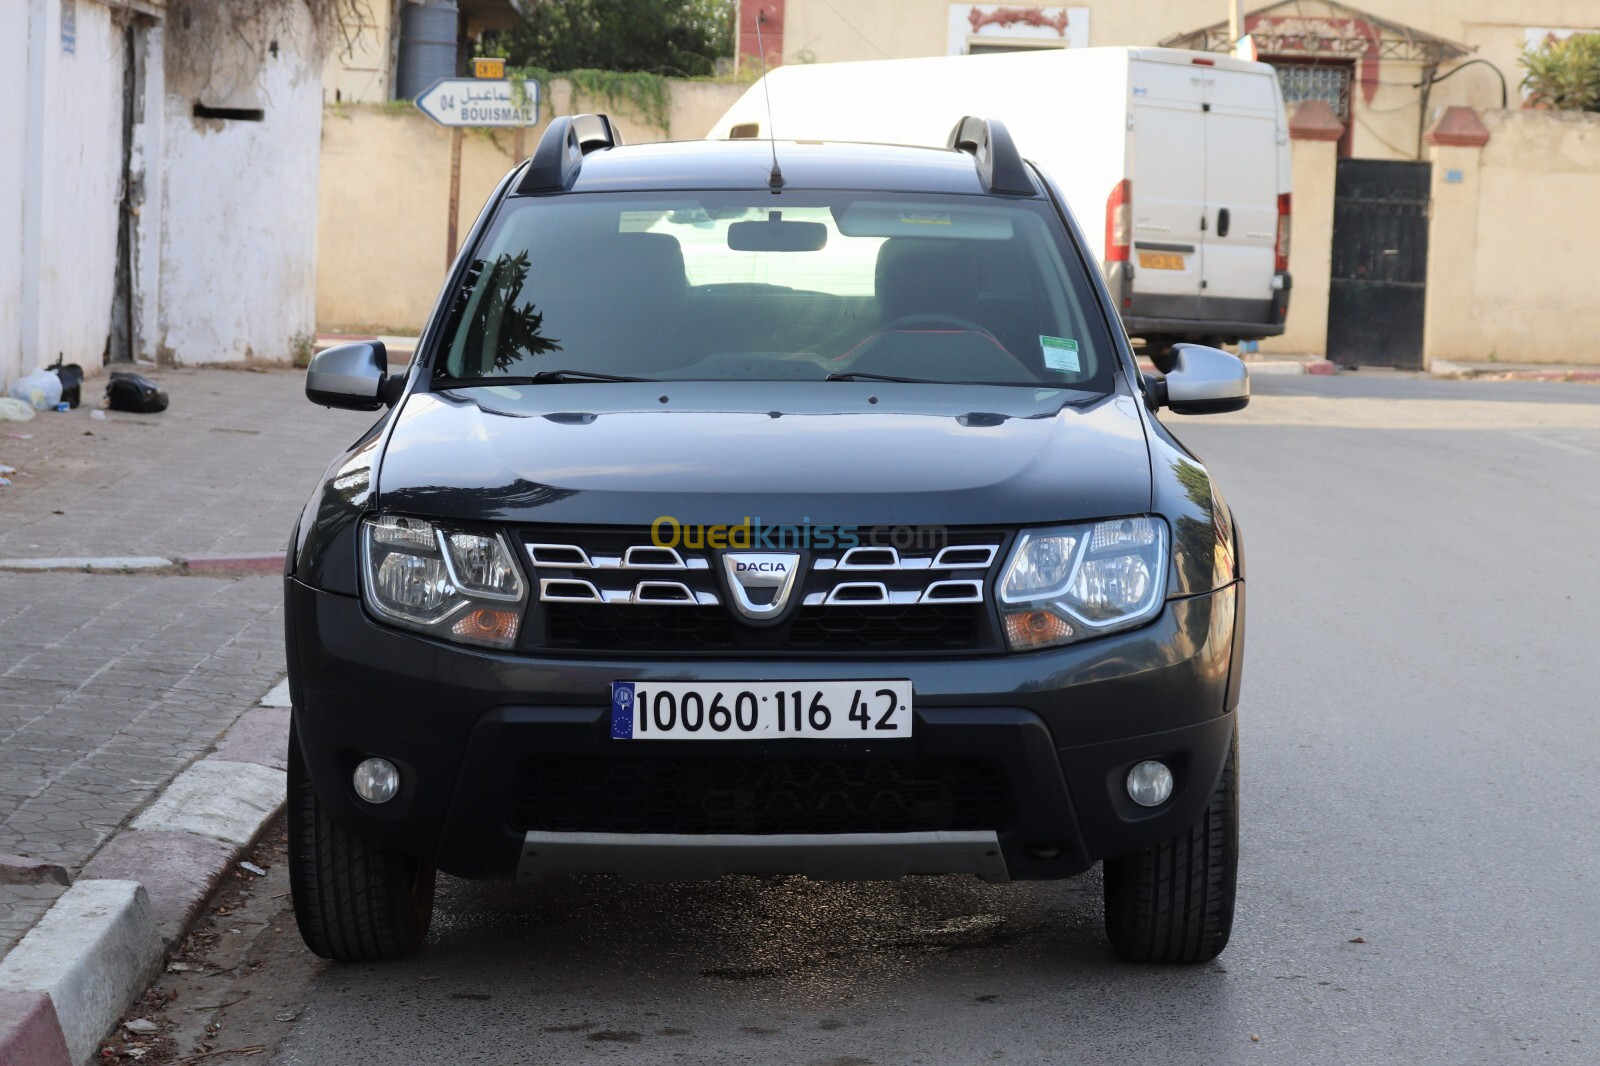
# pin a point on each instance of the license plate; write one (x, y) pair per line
(1161, 261)
(760, 710)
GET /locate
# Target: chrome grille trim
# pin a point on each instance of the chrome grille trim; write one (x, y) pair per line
(579, 559)
(843, 577)
(964, 590)
(645, 593)
(557, 590)
(954, 557)
(846, 592)
(942, 561)
(584, 562)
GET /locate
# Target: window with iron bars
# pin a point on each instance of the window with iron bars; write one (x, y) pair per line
(1316, 81)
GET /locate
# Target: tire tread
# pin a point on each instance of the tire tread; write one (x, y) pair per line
(1174, 901)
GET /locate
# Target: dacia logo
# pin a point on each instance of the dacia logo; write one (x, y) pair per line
(760, 583)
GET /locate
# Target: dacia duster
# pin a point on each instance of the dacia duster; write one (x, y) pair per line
(767, 507)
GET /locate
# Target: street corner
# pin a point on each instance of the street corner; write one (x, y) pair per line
(91, 953)
(30, 1032)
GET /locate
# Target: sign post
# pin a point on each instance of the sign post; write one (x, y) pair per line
(488, 102)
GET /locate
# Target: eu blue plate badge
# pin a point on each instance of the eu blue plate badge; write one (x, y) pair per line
(622, 710)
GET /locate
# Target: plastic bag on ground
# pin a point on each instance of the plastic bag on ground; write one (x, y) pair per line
(14, 410)
(41, 388)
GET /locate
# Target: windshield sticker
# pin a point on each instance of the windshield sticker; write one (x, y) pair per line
(1060, 353)
(925, 218)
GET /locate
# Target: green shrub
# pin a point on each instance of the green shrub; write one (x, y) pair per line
(1564, 75)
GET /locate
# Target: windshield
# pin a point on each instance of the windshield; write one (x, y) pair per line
(753, 286)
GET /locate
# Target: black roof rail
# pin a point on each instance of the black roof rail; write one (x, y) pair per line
(559, 157)
(1000, 165)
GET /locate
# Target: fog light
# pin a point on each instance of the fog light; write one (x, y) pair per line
(377, 780)
(1149, 783)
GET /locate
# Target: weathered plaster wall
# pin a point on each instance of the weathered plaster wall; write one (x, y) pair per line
(1509, 241)
(359, 66)
(13, 156)
(1315, 165)
(81, 169)
(384, 197)
(239, 217)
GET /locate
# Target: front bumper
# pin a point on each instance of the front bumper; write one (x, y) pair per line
(1059, 727)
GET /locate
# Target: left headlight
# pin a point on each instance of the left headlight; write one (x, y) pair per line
(1069, 583)
(453, 584)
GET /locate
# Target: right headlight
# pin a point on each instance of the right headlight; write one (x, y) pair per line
(453, 584)
(1068, 583)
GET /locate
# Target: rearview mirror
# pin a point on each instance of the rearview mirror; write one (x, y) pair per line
(353, 376)
(1202, 381)
(776, 235)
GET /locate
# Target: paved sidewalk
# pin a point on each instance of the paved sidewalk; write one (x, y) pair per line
(111, 684)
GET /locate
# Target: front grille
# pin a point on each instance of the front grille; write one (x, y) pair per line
(617, 794)
(594, 627)
(607, 590)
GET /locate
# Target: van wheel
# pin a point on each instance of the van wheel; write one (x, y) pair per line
(353, 901)
(1173, 902)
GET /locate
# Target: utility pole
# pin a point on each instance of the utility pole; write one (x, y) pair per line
(1235, 22)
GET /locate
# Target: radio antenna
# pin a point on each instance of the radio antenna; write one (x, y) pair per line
(775, 179)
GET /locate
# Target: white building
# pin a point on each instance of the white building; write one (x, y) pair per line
(158, 181)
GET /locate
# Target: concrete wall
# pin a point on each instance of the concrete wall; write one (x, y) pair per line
(360, 62)
(72, 113)
(239, 216)
(384, 197)
(1511, 239)
(1315, 166)
(13, 164)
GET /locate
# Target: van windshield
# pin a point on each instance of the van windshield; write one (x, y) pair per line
(751, 286)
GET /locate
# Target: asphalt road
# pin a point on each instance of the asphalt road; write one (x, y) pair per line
(1421, 866)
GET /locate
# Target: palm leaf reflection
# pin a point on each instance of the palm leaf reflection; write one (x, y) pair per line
(501, 326)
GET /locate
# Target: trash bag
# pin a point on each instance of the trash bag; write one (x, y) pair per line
(41, 388)
(71, 375)
(136, 393)
(15, 410)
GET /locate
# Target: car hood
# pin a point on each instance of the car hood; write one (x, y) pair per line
(718, 452)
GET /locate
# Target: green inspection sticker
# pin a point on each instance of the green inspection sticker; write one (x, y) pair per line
(1060, 353)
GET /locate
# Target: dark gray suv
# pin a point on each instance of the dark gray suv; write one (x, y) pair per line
(767, 508)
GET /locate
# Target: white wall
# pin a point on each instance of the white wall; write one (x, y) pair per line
(13, 153)
(239, 218)
(77, 223)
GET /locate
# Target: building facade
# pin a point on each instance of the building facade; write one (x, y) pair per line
(157, 182)
(1387, 73)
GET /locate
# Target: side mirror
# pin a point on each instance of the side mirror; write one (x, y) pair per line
(1202, 381)
(353, 376)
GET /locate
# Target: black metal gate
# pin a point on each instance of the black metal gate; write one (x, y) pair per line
(1380, 263)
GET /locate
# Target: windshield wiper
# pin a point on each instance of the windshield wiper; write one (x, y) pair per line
(856, 375)
(543, 377)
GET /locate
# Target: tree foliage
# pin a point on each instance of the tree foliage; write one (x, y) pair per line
(672, 37)
(1564, 75)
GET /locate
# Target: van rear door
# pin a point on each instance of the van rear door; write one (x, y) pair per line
(1168, 174)
(1241, 181)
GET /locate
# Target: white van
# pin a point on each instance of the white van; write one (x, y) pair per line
(1175, 163)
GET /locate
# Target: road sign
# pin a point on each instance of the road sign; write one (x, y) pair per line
(479, 102)
(488, 67)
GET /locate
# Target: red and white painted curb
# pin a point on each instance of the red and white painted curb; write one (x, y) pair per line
(205, 565)
(65, 984)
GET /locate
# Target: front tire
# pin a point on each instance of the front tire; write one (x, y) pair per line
(1173, 901)
(353, 901)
